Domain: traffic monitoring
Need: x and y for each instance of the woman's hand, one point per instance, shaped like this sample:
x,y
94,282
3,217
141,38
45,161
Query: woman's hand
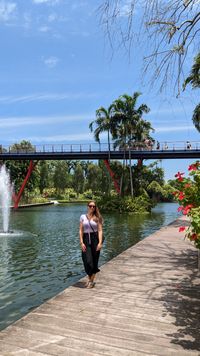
x,y
99,246
83,247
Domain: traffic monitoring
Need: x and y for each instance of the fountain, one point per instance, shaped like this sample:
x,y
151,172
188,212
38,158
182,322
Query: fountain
x,y
5,197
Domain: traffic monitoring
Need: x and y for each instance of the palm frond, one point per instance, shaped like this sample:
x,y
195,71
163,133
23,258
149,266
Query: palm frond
x,y
196,117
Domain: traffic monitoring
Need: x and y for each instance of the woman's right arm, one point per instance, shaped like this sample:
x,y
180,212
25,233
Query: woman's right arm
x,y
81,237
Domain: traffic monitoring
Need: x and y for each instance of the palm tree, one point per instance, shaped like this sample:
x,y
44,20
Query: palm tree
x,y
129,126
103,123
196,117
194,77
194,80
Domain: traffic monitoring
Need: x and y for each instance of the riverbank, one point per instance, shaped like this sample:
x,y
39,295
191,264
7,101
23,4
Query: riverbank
x,y
31,205
146,301
51,203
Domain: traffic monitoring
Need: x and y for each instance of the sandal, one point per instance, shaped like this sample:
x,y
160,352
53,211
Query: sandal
x,y
90,284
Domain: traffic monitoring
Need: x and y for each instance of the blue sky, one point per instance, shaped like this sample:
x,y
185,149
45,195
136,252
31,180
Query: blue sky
x,y
56,69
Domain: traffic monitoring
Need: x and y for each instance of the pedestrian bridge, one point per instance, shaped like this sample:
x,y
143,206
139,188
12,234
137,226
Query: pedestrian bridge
x,y
139,150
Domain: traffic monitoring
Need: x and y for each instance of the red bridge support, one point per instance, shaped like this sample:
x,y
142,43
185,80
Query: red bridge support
x,y
115,181
140,162
17,197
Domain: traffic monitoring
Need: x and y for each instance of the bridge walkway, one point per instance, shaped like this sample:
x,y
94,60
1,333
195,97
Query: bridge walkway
x,y
146,302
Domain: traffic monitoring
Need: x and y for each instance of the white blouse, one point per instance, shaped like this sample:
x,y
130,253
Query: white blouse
x,y
86,224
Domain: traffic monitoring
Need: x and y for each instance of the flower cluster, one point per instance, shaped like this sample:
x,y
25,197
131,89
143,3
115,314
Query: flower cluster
x,y
188,196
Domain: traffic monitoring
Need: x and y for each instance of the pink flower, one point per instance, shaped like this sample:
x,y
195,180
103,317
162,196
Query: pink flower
x,y
182,228
180,208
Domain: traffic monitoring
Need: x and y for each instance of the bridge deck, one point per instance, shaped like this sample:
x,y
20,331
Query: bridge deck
x,y
146,302
91,155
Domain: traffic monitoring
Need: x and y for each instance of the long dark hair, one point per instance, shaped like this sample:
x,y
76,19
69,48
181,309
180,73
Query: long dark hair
x,y
96,211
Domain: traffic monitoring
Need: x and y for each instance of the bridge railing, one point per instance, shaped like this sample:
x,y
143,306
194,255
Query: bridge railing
x,y
101,147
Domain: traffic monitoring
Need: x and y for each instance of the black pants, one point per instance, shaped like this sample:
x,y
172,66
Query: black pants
x,y
91,256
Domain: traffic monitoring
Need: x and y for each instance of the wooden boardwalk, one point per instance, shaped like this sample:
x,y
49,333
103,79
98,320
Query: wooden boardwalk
x,y
146,302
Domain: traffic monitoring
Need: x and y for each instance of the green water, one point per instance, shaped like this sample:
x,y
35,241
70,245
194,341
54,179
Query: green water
x,y
46,257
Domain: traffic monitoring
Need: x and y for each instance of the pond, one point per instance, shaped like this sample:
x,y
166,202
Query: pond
x,y
45,258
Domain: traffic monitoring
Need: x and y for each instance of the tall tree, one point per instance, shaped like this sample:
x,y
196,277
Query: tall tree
x,y
105,181
44,176
18,169
60,176
102,123
94,176
78,179
130,126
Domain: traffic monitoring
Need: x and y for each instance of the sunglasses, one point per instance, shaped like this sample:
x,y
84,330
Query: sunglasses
x,y
92,206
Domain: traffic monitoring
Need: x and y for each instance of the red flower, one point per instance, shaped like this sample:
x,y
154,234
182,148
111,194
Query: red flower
x,y
187,185
182,228
179,176
181,196
180,208
194,237
194,166
187,209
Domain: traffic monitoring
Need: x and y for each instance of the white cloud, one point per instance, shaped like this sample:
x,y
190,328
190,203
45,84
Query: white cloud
x,y
49,2
7,10
27,20
13,122
171,110
52,17
174,128
51,62
44,29
61,138
125,8
77,5
45,97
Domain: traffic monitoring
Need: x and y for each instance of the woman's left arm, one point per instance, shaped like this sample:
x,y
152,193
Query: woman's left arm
x,y
100,236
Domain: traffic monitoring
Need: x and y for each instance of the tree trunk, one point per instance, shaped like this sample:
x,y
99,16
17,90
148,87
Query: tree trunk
x,y
131,176
109,160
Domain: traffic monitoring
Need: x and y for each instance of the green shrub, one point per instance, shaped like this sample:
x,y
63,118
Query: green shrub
x,y
139,204
88,194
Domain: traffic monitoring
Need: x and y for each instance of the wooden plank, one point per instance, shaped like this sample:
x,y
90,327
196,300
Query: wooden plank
x,y
146,301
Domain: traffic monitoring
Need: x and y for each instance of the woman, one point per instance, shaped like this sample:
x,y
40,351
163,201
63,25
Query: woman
x,y
90,234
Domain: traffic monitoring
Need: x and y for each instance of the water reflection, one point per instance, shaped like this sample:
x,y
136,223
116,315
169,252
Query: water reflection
x,y
36,266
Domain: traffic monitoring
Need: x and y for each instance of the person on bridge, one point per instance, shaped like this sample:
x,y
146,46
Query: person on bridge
x,y
91,237
188,145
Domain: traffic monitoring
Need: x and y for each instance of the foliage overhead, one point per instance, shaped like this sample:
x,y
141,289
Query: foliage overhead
x,y
168,30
